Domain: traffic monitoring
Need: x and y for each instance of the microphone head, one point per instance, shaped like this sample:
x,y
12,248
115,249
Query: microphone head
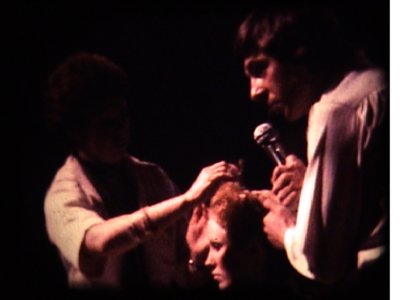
x,y
265,134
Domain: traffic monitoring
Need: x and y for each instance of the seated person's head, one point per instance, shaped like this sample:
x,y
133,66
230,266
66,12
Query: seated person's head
x,y
238,246
86,101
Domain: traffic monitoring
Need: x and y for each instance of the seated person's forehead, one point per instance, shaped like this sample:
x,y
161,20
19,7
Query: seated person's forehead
x,y
215,230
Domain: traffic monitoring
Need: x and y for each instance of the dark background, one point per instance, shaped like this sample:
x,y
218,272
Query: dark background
x,y
189,98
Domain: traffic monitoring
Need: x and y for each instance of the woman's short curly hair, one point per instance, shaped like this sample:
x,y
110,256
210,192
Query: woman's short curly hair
x,y
83,84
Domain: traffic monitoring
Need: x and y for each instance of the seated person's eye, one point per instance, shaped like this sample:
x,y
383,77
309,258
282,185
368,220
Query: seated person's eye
x,y
216,245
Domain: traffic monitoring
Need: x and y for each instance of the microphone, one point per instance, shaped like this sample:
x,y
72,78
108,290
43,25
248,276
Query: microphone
x,y
267,137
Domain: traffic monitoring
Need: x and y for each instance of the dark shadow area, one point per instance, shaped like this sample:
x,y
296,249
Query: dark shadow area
x,y
189,100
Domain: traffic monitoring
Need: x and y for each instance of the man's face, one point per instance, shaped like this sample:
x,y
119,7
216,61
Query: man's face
x,y
282,87
218,246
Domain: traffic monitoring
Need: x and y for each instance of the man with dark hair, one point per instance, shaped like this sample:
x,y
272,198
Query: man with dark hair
x,y
299,62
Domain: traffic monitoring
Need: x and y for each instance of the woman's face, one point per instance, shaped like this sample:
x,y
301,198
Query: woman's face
x,y
106,137
218,242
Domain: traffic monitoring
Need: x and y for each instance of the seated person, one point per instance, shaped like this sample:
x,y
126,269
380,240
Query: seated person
x,y
240,256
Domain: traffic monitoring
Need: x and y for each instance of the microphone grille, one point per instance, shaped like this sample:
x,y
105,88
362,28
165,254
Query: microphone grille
x,y
264,134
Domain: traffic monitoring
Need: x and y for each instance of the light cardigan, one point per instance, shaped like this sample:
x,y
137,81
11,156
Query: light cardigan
x,y
72,205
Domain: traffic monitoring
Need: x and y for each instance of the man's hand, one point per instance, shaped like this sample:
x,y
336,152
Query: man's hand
x,y
277,221
287,181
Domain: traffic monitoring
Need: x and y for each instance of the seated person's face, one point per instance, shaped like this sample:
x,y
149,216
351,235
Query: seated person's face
x,y
105,138
218,246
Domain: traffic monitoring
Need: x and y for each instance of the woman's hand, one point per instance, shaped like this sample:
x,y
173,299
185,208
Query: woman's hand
x,y
209,179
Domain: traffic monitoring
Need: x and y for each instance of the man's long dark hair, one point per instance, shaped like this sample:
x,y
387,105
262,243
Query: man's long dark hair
x,y
295,31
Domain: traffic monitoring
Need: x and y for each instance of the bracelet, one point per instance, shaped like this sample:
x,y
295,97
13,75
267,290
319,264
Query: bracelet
x,y
148,222
141,227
